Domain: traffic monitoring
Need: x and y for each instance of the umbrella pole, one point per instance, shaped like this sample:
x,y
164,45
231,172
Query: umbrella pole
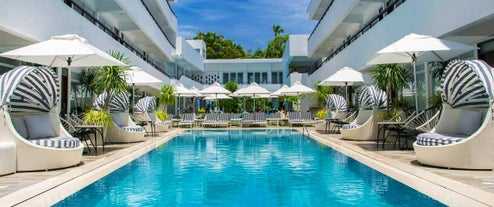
x,y
346,92
133,96
415,86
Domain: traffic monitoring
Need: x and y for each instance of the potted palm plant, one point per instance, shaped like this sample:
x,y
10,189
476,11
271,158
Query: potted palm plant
x,y
166,97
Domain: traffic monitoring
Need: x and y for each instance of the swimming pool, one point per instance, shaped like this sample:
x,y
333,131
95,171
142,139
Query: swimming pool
x,y
246,168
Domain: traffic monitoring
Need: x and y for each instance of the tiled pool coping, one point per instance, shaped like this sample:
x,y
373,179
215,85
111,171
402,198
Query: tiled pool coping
x,y
446,190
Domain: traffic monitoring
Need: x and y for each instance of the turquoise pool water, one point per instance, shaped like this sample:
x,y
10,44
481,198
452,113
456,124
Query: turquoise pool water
x,y
246,168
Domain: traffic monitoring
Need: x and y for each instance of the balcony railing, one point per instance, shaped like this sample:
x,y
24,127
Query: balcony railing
x,y
105,27
172,42
390,7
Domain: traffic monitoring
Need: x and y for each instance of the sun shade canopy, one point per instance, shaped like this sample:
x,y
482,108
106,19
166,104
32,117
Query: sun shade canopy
x,y
336,102
29,89
119,102
372,97
146,104
468,83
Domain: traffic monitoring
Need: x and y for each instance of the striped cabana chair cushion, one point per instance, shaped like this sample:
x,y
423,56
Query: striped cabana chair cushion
x,y
57,142
133,128
435,139
350,126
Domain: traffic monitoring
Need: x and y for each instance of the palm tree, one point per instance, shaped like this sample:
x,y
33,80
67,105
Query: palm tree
x,y
111,78
321,93
166,96
277,30
390,78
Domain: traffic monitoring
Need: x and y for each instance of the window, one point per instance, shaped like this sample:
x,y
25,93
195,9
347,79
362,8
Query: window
x,y
240,78
225,78
233,76
250,78
258,77
274,77
264,78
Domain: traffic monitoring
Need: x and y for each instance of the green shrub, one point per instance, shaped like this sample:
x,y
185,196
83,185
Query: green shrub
x,y
162,115
321,114
94,117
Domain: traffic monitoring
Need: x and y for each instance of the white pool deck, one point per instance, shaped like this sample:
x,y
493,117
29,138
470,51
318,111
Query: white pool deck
x,y
452,187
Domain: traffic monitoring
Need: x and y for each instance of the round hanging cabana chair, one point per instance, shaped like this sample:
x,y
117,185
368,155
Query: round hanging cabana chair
x,y
464,135
145,110
29,118
371,102
122,129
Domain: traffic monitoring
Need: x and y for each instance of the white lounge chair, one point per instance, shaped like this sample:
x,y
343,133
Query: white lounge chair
x,y
187,119
29,118
122,129
364,127
463,136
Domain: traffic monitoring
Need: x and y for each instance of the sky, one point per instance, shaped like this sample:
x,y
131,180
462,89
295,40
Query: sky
x,y
247,22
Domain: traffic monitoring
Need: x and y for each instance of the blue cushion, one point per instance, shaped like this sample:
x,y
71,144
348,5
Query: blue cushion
x,y
470,121
39,126
435,139
20,126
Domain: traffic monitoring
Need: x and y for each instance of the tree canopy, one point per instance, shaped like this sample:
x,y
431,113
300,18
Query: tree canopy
x,y
218,47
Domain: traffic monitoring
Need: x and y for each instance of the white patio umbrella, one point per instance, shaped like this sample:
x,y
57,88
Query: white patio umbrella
x,y
279,92
137,77
254,90
215,89
415,48
219,96
344,77
181,91
197,94
63,51
297,89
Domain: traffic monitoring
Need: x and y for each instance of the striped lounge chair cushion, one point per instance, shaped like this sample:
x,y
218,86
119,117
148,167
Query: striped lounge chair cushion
x,y
350,126
133,128
57,142
435,139
162,123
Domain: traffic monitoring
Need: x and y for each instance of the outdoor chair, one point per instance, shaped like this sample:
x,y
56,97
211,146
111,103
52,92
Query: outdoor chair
x,y
122,129
145,112
364,127
82,134
300,118
462,137
31,121
187,119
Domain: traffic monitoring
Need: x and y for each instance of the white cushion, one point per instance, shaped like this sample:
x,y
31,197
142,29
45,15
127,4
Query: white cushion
x,y
469,121
20,126
39,126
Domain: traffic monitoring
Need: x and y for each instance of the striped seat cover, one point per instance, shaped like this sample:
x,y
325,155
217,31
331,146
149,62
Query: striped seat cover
x,y
434,139
133,128
350,126
57,142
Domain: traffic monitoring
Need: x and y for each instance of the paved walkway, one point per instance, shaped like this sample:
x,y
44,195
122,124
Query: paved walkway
x,y
453,187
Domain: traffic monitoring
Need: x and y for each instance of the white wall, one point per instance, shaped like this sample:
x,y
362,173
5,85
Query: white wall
x,y
39,20
138,13
335,15
185,52
435,18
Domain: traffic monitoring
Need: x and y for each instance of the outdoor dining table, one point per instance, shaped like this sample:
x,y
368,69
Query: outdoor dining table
x,y
94,129
383,126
